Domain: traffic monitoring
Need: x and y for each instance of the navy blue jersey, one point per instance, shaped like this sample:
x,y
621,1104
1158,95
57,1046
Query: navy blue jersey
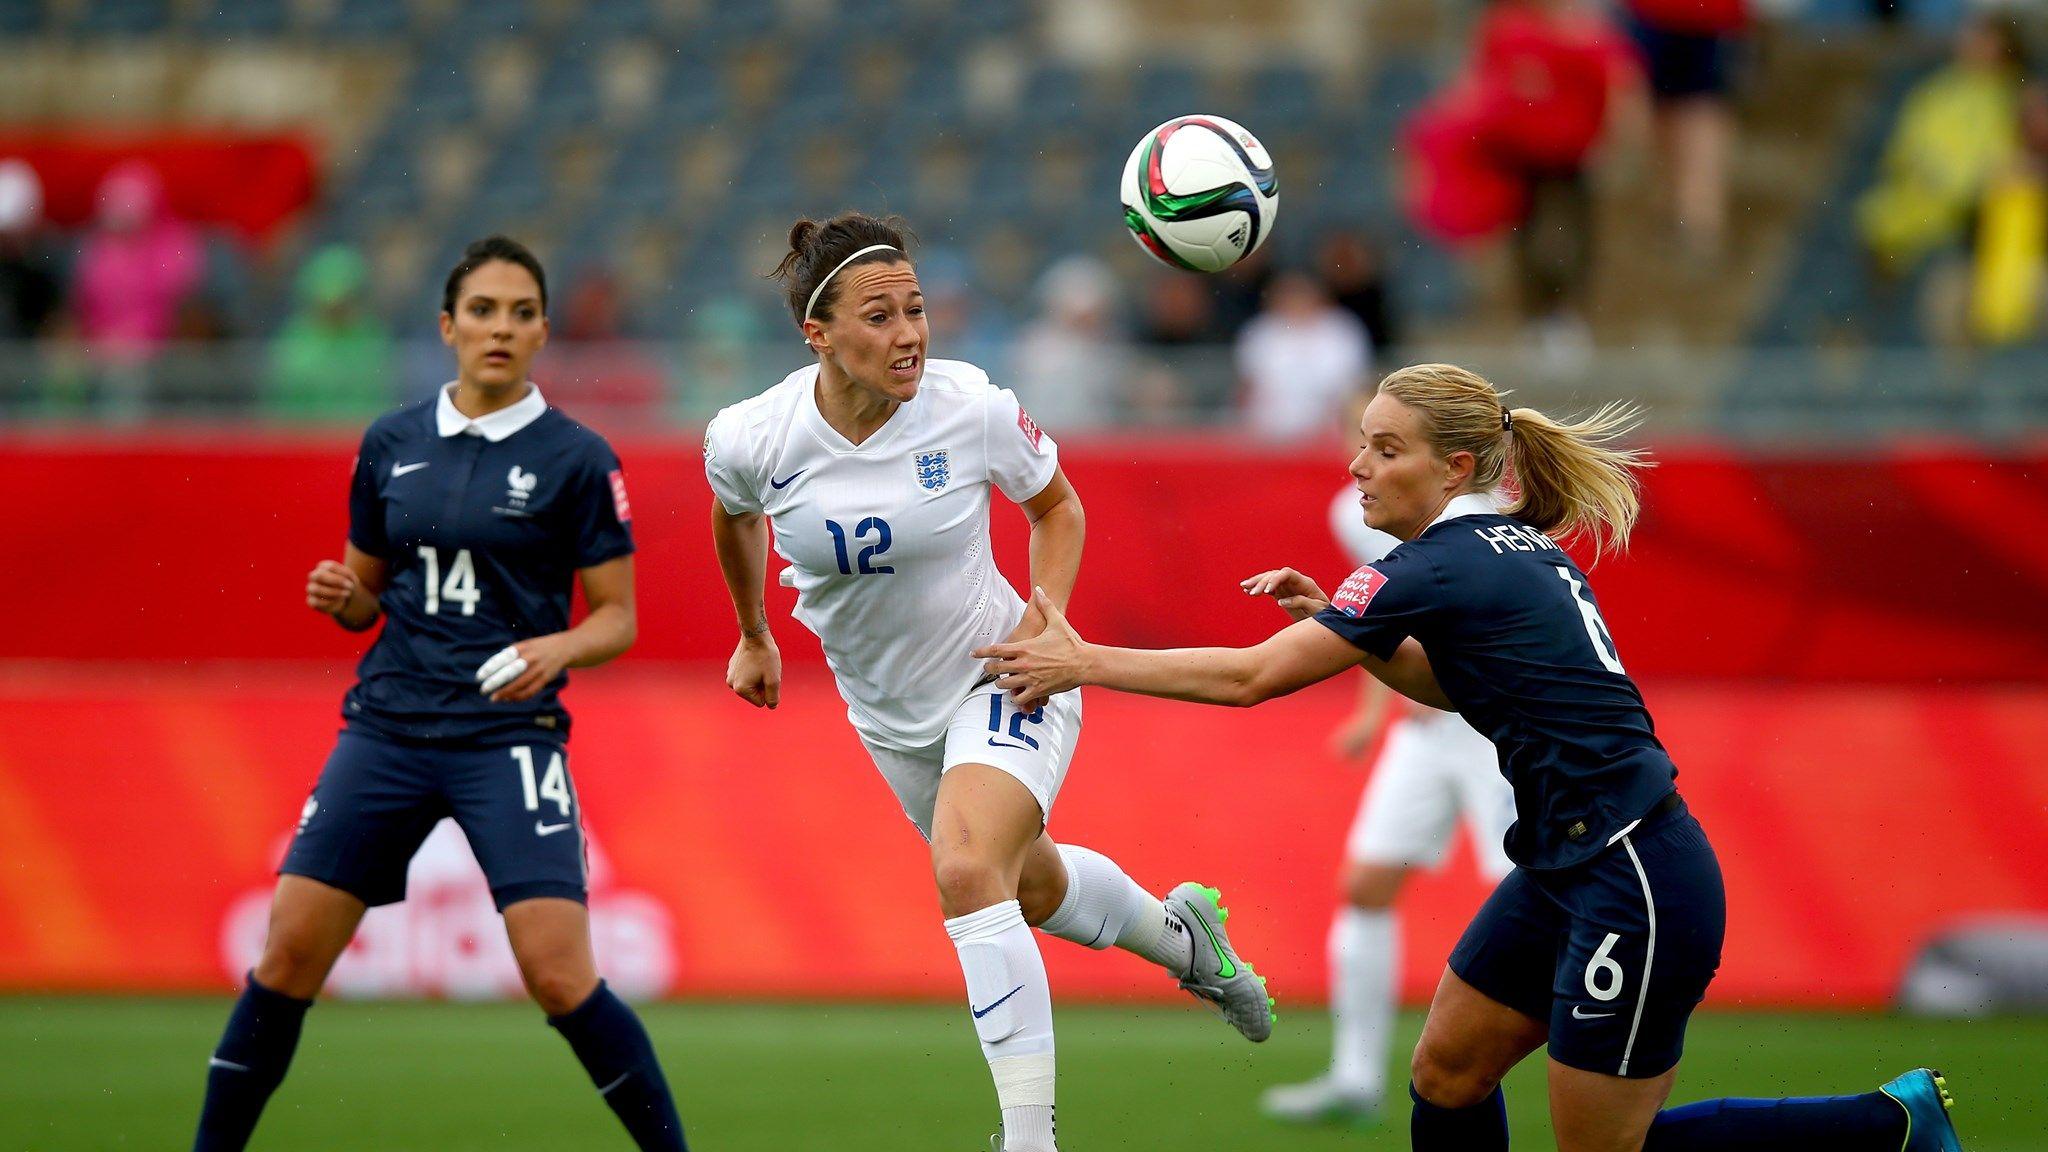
x,y
484,525
1516,639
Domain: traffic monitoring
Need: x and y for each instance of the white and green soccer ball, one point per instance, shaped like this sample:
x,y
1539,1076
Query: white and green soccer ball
x,y
1199,193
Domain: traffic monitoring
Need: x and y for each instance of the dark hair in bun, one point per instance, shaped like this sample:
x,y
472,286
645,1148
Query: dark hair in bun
x,y
817,247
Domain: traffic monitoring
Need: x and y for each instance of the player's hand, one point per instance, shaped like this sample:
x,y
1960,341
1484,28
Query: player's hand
x,y
756,671
1355,735
1297,595
1032,623
519,672
1038,669
330,586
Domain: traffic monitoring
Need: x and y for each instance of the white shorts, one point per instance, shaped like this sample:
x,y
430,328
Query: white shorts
x,y
1433,768
1034,746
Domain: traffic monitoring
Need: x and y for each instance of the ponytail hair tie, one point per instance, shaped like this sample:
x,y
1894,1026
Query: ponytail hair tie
x,y
1507,420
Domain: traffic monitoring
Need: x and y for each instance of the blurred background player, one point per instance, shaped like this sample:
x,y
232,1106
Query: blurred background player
x,y
875,467
1432,770
1603,939
471,515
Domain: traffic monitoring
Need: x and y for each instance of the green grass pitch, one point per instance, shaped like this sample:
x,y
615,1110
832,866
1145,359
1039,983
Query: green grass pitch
x,y
127,1073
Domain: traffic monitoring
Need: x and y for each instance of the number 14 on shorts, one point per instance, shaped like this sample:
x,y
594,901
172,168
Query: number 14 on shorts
x,y
553,784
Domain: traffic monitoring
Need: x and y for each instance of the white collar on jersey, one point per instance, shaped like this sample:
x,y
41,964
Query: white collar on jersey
x,y
1470,504
492,426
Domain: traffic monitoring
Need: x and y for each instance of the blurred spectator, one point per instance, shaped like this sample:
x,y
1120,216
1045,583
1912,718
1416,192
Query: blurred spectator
x,y
1299,359
136,268
1072,364
332,361
1352,270
1176,380
1509,144
2006,293
1958,130
592,366
29,289
965,325
1179,310
1688,48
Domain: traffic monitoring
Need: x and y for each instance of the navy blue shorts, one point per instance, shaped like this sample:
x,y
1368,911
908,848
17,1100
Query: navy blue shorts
x,y
1614,954
377,799
1682,65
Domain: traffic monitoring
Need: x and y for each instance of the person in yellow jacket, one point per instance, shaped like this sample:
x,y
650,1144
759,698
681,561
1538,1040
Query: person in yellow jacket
x,y
1958,132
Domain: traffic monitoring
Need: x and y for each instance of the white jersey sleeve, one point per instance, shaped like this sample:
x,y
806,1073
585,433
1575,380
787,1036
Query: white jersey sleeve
x,y
726,463
1021,457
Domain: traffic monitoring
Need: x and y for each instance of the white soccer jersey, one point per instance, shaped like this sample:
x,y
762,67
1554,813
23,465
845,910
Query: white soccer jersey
x,y
889,537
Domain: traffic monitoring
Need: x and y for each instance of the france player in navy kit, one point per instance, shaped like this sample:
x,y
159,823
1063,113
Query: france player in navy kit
x,y
1605,936
471,516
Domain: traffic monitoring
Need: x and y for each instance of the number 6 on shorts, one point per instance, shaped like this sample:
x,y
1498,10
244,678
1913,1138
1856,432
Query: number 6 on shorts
x,y
1604,976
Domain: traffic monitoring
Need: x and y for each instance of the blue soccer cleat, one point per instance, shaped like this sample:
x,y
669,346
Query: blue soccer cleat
x,y
1924,1095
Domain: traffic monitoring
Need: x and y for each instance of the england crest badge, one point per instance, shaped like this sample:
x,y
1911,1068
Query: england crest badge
x,y
934,470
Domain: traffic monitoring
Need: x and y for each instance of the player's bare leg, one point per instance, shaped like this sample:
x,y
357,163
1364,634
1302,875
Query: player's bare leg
x,y
1364,953
1098,905
550,937
1595,1112
1469,1043
310,926
983,826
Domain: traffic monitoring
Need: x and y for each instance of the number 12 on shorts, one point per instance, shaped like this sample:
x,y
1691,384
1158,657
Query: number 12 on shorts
x,y
553,784
1018,719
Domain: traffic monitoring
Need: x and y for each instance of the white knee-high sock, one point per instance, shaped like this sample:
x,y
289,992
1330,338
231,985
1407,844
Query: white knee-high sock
x,y
1104,907
1012,1007
1364,955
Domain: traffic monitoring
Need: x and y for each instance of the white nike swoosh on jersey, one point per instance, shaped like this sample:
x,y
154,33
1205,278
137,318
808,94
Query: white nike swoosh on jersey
x,y
1581,1014
402,469
217,1062
540,829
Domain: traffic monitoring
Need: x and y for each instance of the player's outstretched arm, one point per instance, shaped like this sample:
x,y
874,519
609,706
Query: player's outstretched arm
x,y
755,672
1058,660
1296,594
348,590
520,671
1288,661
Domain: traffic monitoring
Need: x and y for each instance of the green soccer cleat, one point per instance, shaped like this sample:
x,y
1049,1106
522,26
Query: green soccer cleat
x,y
1217,975
1924,1095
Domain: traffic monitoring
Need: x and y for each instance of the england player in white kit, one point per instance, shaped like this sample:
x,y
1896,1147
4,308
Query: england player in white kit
x,y
1432,769
875,467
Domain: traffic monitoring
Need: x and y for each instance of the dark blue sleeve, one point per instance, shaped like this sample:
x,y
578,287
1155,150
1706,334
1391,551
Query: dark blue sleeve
x,y
604,517
365,503
1384,602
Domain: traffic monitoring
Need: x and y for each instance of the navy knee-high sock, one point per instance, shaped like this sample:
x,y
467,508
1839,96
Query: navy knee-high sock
x,y
1481,1128
614,1048
255,1050
1872,1121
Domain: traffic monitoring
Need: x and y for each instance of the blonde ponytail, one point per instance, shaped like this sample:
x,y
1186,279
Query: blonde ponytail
x,y
1565,478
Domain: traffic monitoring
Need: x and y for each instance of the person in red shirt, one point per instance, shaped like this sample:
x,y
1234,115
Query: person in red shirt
x,y
1547,77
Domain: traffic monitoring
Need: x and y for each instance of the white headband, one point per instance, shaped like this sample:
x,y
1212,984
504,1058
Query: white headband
x,y
834,272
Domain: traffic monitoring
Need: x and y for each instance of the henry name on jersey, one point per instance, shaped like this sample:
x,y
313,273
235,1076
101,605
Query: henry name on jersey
x,y
888,538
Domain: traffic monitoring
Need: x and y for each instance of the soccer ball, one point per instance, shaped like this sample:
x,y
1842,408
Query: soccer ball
x,y
1199,193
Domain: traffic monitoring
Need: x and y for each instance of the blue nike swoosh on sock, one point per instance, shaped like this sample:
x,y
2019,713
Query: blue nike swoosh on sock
x,y
980,1012
1104,927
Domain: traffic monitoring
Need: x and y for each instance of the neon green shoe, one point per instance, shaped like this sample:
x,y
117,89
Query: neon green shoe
x,y
1217,975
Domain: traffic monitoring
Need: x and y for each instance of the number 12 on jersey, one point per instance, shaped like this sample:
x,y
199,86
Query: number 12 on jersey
x,y
874,524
